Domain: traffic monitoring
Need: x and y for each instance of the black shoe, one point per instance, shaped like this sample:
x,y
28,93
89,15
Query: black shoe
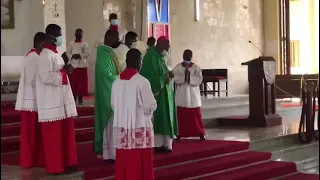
x,y
80,100
109,161
178,138
159,149
202,137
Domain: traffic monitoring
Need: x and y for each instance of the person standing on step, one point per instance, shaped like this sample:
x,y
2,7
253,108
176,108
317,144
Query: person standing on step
x,y
31,148
151,42
56,106
78,52
165,118
114,25
121,51
188,77
133,104
106,71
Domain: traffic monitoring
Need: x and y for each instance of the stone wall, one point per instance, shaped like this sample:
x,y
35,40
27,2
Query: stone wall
x,y
220,38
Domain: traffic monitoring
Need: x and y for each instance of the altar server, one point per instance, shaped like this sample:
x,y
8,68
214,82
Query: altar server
x,y
133,104
56,106
121,51
78,52
31,150
188,77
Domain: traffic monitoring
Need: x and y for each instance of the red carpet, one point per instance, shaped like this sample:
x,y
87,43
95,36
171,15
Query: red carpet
x,y
10,127
218,162
191,158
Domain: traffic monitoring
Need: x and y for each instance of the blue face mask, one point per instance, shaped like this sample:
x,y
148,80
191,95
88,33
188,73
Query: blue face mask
x,y
186,62
59,41
114,22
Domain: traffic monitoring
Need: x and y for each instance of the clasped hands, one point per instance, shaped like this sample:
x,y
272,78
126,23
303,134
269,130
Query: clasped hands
x,y
169,76
186,75
76,57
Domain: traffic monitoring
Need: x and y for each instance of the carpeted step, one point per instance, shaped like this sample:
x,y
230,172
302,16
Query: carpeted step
x,y
193,169
261,171
12,116
13,144
14,129
300,176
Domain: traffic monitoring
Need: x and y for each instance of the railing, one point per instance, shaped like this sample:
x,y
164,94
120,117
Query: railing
x,y
309,98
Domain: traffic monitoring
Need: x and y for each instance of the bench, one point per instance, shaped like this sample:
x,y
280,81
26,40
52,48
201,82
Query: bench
x,y
214,76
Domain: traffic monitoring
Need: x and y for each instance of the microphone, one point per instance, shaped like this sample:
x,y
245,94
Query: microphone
x,y
256,48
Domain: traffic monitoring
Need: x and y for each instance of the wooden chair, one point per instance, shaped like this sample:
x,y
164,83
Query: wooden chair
x,y
214,76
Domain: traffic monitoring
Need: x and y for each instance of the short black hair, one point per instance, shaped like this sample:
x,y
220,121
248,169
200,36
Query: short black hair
x,y
111,33
151,40
53,29
113,16
131,35
77,30
133,58
39,37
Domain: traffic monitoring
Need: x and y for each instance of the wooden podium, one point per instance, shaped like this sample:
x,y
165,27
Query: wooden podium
x,y
262,104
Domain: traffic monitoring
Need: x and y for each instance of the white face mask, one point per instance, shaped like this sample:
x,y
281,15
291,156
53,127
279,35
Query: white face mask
x,y
134,45
165,52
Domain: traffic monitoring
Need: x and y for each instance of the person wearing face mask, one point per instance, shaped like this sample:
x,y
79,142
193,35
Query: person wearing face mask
x,y
106,71
114,25
133,104
31,153
165,118
188,77
78,53
56,106
131,41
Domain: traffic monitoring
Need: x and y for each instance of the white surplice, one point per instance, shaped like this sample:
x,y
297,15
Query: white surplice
x,y
55,101
27,97
121,52
81,48
133,104
187,95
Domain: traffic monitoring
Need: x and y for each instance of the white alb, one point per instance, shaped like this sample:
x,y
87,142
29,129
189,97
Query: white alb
x,y
55,101
121,52
81,48
187,95
27,97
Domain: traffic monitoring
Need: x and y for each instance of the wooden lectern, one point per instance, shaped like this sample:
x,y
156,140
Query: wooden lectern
x,y
262,103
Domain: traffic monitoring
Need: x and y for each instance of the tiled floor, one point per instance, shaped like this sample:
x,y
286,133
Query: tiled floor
x,y
290,126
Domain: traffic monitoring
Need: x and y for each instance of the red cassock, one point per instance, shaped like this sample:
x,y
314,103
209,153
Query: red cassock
x,y
190,122
59,145
31,146
131,162
79,81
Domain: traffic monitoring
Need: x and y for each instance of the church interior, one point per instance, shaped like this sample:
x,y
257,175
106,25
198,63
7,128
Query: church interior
x,y
260,89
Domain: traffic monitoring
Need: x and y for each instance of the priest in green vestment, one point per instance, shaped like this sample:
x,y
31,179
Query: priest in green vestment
x,y
165,118
106,71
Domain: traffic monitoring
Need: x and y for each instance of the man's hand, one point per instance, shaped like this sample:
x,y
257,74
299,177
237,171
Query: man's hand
x,y
168,78
68,68
76,56
186,75
171,75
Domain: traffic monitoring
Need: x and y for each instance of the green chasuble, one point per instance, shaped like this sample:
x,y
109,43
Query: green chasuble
x,y
106,71
155,70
